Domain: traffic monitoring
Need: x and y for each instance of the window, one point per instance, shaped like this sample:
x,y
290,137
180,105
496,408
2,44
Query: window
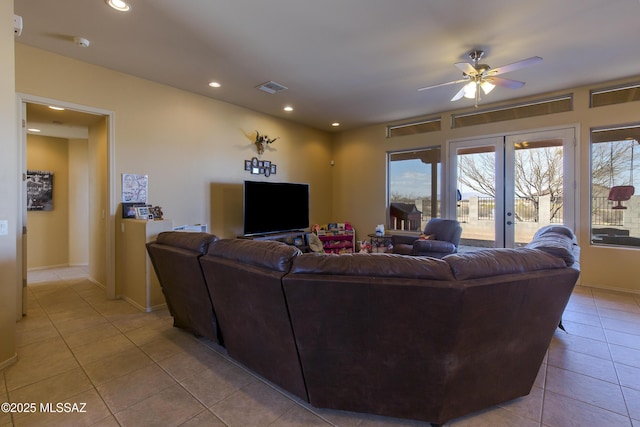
x,y
616,95
520,111
432,125
414,188
615,203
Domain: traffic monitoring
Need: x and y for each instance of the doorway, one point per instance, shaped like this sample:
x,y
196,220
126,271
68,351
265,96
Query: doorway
x,y
509,186
69,124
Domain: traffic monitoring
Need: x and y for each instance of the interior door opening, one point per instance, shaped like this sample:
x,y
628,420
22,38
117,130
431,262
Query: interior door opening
x,y
80,137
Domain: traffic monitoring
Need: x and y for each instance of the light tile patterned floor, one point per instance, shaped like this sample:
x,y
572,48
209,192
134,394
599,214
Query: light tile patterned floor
x,y
135,369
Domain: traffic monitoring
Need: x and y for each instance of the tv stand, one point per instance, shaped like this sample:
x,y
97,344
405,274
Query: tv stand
x,y
288,237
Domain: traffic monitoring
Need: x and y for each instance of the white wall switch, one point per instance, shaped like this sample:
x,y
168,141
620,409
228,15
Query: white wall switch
x,y
4,227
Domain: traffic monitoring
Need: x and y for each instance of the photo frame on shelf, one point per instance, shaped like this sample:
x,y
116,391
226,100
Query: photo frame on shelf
x,y
157,213
129,209
142,212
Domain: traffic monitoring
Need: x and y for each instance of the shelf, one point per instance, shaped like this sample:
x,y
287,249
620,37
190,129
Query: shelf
x,y
338,241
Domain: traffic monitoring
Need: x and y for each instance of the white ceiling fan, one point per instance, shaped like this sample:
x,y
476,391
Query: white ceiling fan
x,y
481,76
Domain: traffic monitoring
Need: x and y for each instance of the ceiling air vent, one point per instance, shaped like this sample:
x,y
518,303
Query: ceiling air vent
x,y
271,87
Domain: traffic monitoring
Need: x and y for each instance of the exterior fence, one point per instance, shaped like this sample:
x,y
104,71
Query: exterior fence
x,y
478,214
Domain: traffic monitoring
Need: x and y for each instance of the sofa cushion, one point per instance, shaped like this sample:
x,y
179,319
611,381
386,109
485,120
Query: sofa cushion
x,y
555,228
374,265
267,254
197,242
494,262
558,240
426,246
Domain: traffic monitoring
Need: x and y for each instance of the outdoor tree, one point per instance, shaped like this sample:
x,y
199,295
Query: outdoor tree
x,y
538,171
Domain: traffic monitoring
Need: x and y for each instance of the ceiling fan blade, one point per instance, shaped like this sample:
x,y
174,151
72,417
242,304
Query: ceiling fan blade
x,y
441,84
515,66
458,95
508,83
466,68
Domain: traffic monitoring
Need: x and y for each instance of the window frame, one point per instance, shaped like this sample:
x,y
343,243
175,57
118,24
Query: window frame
x,y
438,186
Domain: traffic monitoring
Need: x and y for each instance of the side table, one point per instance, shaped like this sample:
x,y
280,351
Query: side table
x,y
378,241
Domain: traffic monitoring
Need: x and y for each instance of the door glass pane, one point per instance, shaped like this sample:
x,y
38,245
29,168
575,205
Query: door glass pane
x,y
414,184
476,187
615,176
538,186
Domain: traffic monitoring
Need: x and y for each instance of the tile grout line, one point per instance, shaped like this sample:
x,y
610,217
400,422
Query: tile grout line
x,y
615,365
121,332
70,286
155,362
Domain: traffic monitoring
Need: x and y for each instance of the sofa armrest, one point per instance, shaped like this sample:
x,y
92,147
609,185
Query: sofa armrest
x,y
403,239
424,247
557,244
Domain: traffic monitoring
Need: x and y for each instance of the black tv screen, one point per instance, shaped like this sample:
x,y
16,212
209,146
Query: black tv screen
x,y
271,207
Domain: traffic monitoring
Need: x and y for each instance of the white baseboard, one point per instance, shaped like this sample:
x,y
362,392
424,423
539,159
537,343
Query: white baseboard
x,y
611,288
141,308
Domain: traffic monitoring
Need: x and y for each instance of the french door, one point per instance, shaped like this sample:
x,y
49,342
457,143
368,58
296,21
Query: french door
x,y
509,186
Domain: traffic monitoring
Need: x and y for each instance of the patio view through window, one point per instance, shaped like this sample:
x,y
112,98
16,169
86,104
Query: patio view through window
x,y
615,175
414,188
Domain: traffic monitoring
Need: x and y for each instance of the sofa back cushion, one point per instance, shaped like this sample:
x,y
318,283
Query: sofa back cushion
x,y
557,240
175,256
196,242
373,265
244,278
270,254
495,262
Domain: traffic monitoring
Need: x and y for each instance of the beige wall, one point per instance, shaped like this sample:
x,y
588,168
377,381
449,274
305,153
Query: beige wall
x,y
359,189
192,147
78,202
48,231
60,237
8,188
193,150
99,211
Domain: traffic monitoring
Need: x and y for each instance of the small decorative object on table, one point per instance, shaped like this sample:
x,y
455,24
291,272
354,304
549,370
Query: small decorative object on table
x,y
156,211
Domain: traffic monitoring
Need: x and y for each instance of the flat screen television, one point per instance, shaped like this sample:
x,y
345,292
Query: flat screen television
x,y
272,207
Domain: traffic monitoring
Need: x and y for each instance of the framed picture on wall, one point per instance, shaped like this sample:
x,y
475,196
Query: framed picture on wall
x,y
39,190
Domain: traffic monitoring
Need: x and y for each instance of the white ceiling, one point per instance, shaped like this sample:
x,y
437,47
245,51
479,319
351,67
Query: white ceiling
x,y
357,62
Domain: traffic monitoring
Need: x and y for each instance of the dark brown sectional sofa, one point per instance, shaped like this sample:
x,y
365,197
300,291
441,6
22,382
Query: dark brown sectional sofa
x,y
412,337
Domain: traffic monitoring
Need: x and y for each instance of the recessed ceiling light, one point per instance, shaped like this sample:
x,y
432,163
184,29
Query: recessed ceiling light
x,y
214,84
335,124
120,5
53,107
288,108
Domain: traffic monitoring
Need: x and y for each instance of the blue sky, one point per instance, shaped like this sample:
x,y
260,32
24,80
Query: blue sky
x,y
409,177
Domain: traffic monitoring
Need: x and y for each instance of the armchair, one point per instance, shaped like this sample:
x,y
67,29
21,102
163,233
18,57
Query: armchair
x,y
446,238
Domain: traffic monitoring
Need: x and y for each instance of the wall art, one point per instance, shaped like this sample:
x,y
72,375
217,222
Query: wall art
x,y
39,191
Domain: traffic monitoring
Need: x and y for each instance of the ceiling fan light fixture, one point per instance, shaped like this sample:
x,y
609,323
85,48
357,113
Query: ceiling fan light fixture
x,y
470,90
487,87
